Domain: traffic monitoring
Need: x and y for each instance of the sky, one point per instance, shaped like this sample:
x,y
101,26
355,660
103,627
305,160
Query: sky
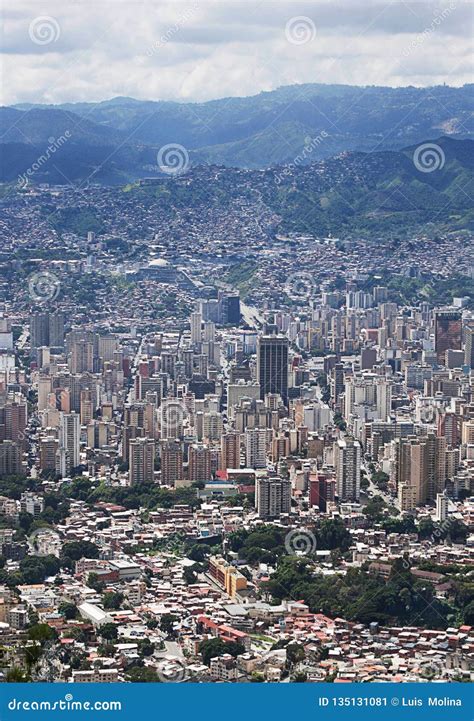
x,y
56,51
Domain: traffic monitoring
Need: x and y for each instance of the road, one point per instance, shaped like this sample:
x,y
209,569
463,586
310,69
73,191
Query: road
x,y
251,316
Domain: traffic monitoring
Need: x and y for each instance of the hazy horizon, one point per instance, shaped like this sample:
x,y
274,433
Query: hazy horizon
x,y
235,97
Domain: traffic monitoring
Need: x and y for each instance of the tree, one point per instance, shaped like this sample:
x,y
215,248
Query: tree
x,y
213,647
189,575
331,534
199,551
469,614
80,549
108,631
112,600
167,622
144,674
294,653
42,633
35,569
93,582
106,649
145,647
68,610
16,675
374,509
33,652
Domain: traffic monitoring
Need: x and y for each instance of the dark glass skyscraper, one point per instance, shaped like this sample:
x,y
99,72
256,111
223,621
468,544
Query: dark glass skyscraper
x,y
448,332
272,365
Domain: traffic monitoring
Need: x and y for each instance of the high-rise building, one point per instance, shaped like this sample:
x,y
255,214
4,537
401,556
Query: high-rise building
x,y
347,461
442,506
142,461
337,383
199,468
81,359
49,447
448,332
56,330
436,449
256,448
10,459
272,365
469,347
46,329
196,323
229,308
230,451
171,453
272,497
69,437
410,471
322,491
39,330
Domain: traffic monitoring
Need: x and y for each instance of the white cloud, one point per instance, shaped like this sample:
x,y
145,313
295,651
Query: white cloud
x,y
197,50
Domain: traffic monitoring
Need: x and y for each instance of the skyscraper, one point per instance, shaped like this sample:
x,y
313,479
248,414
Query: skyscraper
x,y
47,329
447,332
469,347
196,322
272,497
171,461
272,365
199,463
347,461
256,448
230,451
142,461
69,438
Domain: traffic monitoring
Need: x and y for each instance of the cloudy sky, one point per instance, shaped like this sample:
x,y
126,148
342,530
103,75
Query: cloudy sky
x,y
68,50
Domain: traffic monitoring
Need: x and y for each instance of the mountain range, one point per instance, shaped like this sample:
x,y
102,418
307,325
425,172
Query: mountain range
x,y
115,141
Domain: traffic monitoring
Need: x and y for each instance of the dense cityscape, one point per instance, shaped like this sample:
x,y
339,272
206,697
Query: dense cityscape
x,y
228,452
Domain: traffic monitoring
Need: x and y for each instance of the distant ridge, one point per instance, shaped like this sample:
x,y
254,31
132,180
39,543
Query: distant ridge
x,y
251,132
